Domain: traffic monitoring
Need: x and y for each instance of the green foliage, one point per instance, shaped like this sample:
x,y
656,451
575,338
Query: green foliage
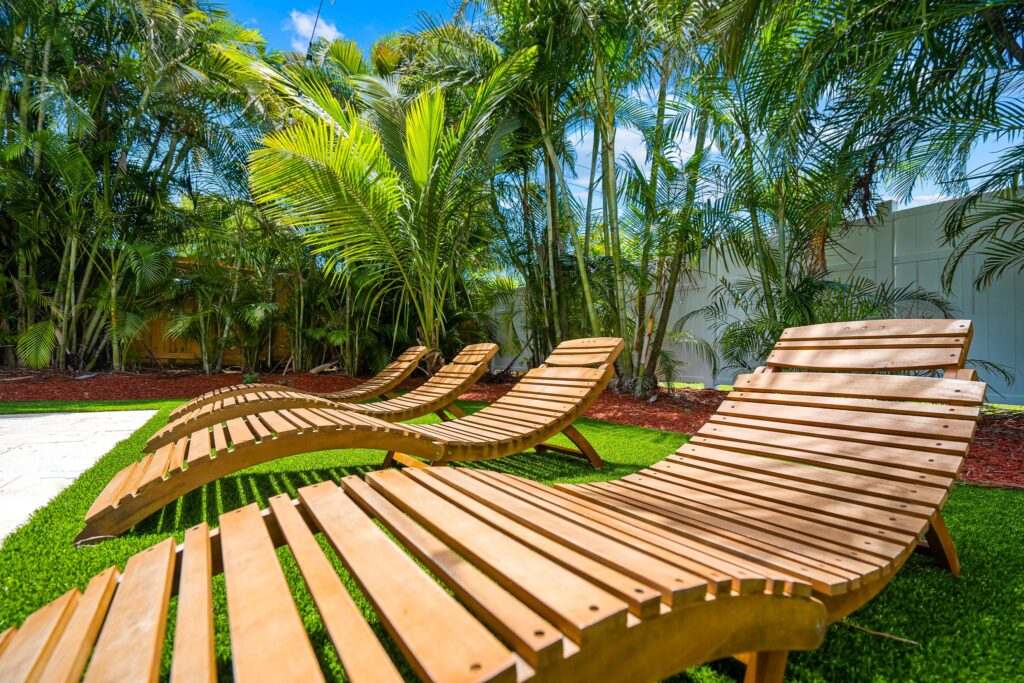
x,y
36,344
100,166
389,189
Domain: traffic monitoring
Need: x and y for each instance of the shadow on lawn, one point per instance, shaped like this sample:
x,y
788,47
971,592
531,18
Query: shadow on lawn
x,y
208,502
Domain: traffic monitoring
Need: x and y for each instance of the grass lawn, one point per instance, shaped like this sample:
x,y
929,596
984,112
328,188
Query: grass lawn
x,y
967,628
24,407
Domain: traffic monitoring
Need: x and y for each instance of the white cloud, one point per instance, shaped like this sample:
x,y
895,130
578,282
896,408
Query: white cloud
x,y
301,26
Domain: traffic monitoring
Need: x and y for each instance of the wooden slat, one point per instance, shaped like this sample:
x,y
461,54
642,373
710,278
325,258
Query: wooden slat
x,y
884,387
845,495
895,343
177,460
921,327
72,651
28,649
220,439
892,456
534,389
576,359
193,658
156,467
109,495
866,359
746,576
361,654
241,436
199,446
859,404
268,639
5,638
856,555
568,373
439,638
130,644
883,423
277,423
258,428
131,483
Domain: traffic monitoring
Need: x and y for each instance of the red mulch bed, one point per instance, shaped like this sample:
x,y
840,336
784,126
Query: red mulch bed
x,y
996,457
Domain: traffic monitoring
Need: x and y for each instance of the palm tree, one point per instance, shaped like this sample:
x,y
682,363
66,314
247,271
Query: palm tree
x,y
910,89
396,187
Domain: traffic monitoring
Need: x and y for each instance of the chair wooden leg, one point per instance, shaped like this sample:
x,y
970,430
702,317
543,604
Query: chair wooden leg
x,y
940,544
586,449
389,459
453,409
766,667
583,448
409,461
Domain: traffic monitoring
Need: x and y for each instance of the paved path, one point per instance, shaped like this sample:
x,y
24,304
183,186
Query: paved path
x,y
41,454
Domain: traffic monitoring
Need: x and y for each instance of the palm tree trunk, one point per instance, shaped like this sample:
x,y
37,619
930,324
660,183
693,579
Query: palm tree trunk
x,y
115,343
553,239
235,284
606,114
675,266
594,152
37,157
581,265
536,266
650,209
611,218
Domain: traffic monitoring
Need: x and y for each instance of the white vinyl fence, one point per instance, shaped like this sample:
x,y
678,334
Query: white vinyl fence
x,y
902,247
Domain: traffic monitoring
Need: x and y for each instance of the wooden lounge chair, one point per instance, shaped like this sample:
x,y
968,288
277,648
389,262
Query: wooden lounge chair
x,y
436,395
381,384
544,403
794,506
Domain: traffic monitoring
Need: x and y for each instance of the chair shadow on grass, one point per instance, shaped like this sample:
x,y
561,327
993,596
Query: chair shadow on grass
x,y
208,502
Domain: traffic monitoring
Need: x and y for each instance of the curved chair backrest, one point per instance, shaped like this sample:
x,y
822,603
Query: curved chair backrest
x,y
874,345
471,362
393,374
438,392
543,403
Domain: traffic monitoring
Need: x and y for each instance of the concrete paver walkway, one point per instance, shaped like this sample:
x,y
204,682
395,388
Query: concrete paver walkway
x,y
41,454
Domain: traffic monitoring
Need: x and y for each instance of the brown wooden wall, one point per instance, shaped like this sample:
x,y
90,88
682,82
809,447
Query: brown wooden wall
x,y
186,352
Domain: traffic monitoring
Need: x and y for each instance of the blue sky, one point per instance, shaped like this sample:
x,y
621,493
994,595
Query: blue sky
x,y
287,24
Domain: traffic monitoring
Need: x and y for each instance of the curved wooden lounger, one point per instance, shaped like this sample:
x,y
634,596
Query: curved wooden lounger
x,y
385,381
435,395
544,403
791,508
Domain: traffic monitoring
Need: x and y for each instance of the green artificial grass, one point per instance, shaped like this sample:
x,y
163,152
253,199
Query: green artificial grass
x,y
22,407
966,628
